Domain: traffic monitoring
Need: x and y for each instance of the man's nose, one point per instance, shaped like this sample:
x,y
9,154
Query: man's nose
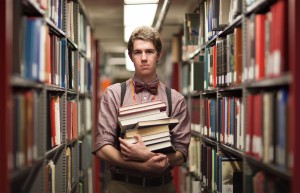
x,y
144,55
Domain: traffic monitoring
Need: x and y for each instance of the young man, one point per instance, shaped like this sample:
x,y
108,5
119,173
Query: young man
x,y
133,167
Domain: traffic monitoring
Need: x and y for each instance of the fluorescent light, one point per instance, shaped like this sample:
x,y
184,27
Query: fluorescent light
x,y
140,1
138,14
129,63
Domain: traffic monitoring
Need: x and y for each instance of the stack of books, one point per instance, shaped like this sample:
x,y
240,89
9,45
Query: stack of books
x,y
150,120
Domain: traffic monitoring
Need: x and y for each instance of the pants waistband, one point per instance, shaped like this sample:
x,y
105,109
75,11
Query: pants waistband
x,y
150,182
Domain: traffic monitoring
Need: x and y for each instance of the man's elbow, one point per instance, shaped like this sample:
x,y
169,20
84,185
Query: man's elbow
x,y
106,152
101,152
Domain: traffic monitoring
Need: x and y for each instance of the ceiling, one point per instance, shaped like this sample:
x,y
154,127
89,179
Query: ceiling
x,y
107,19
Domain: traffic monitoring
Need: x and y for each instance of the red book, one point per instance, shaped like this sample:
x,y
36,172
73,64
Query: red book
x,y
69,120
260,46
278,37
74,121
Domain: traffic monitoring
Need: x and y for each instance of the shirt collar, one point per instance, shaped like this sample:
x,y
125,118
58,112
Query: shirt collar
x,y
136,79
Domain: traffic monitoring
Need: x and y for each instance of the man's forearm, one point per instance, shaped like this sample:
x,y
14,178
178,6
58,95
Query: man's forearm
x,y
114,157
156,164
176,159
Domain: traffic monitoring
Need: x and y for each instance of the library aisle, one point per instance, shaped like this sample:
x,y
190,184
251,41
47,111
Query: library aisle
x,y
235,61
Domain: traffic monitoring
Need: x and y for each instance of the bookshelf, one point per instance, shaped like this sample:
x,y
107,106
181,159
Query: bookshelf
x,y
6,39
49,92
250,91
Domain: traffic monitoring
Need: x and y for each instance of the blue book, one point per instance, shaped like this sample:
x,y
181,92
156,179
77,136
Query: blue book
x,y
28,47
282,100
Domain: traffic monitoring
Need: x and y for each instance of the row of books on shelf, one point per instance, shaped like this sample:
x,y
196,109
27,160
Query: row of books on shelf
x,y
82,150
218,66
44,55
54,10
216,174
230,121
224,126
212,16
266,53
48,58
223,63
74,112
28,124
266,36
215,170
266,127
151,122
45,174
26,127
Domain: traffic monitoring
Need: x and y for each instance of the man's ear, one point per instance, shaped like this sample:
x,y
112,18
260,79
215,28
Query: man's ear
x,y
159,55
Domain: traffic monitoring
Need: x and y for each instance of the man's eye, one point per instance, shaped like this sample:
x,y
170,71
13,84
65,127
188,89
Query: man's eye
x,y
149,51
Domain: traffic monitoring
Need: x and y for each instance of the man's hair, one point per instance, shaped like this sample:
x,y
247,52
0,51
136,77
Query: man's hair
x,y
145,33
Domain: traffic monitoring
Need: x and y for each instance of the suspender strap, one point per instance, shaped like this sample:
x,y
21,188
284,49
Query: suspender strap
x,y
123,90
168,92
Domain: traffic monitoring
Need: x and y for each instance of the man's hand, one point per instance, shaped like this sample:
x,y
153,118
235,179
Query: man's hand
x,y
157,164
135,152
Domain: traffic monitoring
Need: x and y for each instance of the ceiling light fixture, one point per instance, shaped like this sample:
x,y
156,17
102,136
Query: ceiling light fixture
x,y
140,1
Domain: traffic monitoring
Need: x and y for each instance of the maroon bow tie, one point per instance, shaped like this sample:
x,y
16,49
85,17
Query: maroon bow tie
x,y
151,87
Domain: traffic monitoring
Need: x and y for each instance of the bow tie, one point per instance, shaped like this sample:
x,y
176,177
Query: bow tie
x,y
151,87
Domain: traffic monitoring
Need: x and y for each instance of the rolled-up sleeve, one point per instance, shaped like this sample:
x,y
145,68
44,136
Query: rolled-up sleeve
x,y
181,134
106,132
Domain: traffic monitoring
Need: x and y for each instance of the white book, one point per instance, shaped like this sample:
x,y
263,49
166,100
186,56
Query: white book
x,y
129,123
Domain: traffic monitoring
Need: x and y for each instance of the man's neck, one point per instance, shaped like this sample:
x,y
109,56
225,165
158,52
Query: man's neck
x,y
147,79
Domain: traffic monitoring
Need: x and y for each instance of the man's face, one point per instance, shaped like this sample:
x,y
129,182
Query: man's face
x,y
145,57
